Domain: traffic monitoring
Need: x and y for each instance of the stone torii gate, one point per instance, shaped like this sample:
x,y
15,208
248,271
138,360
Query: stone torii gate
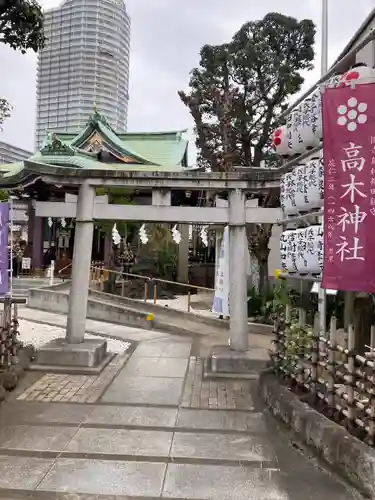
x,y
236,216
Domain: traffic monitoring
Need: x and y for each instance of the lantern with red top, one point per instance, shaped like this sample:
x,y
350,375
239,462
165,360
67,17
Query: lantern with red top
x,y
279,141
359,73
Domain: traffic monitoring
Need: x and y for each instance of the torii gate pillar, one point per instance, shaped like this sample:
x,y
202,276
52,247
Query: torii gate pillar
x,y
237,271
79,291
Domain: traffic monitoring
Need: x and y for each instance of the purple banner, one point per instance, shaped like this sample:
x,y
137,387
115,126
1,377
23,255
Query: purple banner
x,y
349,188
4,255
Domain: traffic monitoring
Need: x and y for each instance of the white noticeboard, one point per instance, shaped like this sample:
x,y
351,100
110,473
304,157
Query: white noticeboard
x,y
26,263
220,303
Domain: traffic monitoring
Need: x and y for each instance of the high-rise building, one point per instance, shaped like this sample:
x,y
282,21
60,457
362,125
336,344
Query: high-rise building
x,y
85,60
12,154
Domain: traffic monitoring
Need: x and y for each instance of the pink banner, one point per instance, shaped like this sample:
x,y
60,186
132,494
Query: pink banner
x,y
349,188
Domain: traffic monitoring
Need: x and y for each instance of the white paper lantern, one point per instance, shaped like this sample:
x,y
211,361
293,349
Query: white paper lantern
x,y
294,129
288,194
301,194
283,251
309,139
301,251
321,177
314,174
312,254
288,251
291,251
280,141
316,114
334,81
358,74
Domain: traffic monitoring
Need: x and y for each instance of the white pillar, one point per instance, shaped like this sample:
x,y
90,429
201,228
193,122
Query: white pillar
x,y
183,255
161,197
237,271
79,291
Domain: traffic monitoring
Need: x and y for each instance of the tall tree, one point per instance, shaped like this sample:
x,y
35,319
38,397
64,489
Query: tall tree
x,y
236,96
21,27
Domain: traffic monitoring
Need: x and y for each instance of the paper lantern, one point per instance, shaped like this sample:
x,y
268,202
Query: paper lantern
x,y
315,180
301,194
294,131
312,255
357,73
280,141
288,194
309,139
288,251
301,251
334,81
316,115
283,251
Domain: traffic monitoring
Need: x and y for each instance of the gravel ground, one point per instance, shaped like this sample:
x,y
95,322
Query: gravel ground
x,y
38,334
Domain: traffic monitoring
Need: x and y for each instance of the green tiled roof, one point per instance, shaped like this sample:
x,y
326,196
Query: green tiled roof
x,y
159,148
154,152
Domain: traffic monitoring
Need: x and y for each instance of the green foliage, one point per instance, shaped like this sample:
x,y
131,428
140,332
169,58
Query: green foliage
x,y
236,96
5,111
118,196
273,302
298,344
163,249
4,195
240,88
254,303
21,27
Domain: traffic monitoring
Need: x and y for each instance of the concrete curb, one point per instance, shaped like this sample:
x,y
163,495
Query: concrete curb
x,y
348,456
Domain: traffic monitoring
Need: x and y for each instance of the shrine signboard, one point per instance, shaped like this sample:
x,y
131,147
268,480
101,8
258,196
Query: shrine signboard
x,y
349,188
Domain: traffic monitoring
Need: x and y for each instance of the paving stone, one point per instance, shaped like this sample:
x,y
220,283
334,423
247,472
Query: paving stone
x,y
121,442
221,420
163,349
156,367
213,394
133,415
144,390
99,477
205,482
229,447
37,438
22,472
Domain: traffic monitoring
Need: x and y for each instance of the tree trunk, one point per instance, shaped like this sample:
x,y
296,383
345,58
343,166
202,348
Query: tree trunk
x,y
263,277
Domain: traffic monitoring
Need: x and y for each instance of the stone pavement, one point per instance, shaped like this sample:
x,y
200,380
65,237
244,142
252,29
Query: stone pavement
x,y
158,430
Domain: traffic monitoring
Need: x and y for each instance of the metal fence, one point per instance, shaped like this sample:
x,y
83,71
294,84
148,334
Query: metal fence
x,y
329,370
99,275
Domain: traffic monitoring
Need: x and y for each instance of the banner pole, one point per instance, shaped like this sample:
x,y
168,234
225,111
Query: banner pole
x,y
322,296
11,247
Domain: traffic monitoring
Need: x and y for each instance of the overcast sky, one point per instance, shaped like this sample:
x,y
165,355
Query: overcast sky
x,y
165,42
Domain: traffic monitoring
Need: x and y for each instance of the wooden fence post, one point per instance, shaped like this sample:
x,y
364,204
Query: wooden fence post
x,y
351,376
331,362
315,355
301,350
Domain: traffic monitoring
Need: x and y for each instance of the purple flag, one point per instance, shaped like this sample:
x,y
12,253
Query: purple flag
x,y
4,257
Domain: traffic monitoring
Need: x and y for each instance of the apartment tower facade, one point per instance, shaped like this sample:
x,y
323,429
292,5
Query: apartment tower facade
x,y
85,61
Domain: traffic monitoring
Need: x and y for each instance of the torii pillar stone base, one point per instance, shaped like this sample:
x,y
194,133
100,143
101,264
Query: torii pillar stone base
x,y
74,353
